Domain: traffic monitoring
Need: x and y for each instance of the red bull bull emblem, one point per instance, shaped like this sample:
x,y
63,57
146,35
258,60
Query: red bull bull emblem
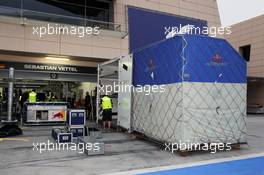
x,y
59,115
151,64
217,58
151,68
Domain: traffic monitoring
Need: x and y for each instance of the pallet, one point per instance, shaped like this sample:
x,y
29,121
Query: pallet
x,y
236,145
183,153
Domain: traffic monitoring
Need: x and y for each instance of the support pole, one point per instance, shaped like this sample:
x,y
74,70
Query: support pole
x,y
10,94
10,128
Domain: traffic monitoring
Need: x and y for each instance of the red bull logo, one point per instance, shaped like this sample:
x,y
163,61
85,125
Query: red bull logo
x,y
59,115
151,68
151,64
217,58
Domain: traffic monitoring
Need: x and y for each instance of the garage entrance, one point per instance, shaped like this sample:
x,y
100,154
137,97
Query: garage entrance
x,y
255,95
72,86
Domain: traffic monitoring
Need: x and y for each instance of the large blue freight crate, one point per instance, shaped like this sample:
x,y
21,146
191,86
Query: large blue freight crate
x,y
200,88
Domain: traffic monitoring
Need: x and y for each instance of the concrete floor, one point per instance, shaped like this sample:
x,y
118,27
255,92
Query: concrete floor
x,y
122,153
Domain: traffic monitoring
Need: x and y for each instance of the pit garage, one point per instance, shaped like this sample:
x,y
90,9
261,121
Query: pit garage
x,y
64,86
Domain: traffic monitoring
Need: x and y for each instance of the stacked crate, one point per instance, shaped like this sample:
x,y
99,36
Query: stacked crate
x,y
76,122
61,135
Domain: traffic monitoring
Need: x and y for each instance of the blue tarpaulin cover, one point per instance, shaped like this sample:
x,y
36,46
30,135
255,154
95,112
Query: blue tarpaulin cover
x,y
188,58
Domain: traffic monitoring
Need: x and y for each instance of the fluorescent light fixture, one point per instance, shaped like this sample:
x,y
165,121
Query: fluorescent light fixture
x,y
57,58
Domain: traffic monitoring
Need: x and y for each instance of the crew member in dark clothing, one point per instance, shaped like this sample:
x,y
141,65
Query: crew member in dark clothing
x,y
87,103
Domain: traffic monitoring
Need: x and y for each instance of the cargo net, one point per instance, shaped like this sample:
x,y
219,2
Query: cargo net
x,y
192,112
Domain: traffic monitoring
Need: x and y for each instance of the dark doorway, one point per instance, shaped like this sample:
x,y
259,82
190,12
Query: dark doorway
x,y
245,52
